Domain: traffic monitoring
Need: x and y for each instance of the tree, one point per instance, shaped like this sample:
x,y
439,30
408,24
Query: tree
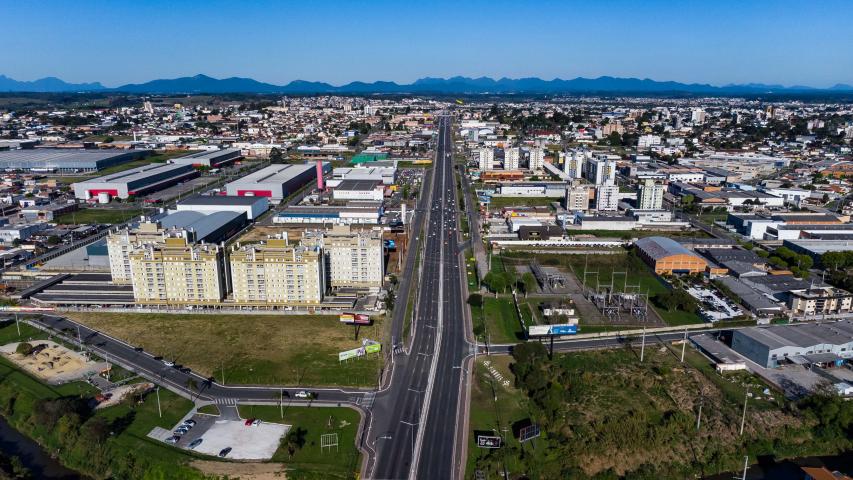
x,y
275,155
53,240
528,281
510,278
475,300
24,348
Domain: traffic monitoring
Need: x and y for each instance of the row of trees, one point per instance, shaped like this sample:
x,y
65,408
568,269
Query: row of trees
x,y
799,264
500,282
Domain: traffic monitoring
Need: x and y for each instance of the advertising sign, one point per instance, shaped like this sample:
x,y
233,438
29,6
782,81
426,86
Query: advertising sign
x,y
373,348
564,329
539,330
486,441
349,354
354,318
528,433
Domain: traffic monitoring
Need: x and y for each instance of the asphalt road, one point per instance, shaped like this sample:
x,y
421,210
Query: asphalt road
x,y
415,419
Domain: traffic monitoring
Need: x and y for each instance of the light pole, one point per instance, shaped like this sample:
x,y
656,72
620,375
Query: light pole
x,y
643,345
683,344
159,411
743,418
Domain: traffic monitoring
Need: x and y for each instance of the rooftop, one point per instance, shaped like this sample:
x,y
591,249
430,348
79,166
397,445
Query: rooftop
x,y
221,200
802,335
662,247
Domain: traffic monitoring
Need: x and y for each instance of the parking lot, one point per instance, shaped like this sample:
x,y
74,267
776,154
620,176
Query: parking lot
x,y
247,442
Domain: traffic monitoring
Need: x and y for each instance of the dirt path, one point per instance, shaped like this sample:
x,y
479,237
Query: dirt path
x,y
242,471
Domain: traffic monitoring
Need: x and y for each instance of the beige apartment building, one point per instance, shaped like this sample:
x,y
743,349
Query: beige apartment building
x,y
277,273
354,258
177,273
120,244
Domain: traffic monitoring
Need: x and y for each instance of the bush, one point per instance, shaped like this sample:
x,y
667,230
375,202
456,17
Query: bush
x,y
24,348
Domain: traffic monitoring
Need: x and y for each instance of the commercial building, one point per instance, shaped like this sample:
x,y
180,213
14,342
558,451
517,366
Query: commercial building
x,y
363,213
666,256
601,222
176,272
577,198
20,231
364,190
824,343
816,248
277,273
354,259
253,207
136,181
47,213
65,160
210,159
651,195
820,301
533,189
275,181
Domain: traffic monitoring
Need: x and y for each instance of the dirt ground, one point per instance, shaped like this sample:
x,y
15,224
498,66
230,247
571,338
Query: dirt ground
x,y
120,393
242,471
54,364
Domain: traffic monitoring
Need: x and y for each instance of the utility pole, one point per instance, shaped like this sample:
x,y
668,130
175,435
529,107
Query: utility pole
x,y
643,345
699,418
743,418
745,465
683,344
159,411
222,366
18,325
281,403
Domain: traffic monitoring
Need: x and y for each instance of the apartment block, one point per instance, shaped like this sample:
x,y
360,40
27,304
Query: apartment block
x,y
536,158
122,243
176,272
651,195
354,259
277,273
486,158
512,158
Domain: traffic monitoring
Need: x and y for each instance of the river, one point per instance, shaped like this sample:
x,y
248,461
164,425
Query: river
x,y
42,466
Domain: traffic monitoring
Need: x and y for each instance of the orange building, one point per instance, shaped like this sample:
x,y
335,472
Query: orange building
x,y
666,256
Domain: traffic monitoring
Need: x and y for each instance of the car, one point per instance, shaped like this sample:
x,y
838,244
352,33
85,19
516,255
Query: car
x,y
158,358
256,422
173,439
138,349
181,431
194,443
249,421
168,363
190,422
224,452
303,394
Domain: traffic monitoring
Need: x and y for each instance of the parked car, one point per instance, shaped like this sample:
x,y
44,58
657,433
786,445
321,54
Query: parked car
x,y
249,421
173,439
194,443
224,452
256,422
190,422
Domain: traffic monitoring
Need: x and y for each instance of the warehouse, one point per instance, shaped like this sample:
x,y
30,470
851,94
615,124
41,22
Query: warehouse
x,y
385,174
65,160
539,189
253,207
816,248
135,181
364,190
804,344
365,214
275,181
205,227
210,159
666,256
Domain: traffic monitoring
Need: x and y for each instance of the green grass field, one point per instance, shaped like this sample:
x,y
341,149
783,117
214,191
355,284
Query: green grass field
x,y
501,319
308,462
252,349
502,202
98,215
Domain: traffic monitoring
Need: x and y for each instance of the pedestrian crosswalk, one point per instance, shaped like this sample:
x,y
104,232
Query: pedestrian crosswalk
x,y
226,401
365,401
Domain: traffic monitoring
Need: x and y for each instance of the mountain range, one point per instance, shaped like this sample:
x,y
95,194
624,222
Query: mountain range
x,y
453,85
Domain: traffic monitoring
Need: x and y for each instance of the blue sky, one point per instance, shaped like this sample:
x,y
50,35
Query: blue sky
x,y
717,42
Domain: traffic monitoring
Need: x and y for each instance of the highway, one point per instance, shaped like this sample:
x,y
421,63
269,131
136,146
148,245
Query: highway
x,y
415,424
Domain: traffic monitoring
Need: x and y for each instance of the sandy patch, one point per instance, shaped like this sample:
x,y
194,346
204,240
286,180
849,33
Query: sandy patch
x,y
53,363
122,392
242,471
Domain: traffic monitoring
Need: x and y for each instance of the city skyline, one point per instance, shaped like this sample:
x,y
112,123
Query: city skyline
x,y
335,42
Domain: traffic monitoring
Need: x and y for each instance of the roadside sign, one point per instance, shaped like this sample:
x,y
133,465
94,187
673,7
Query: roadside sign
x,y
564,329
539,330
349,354
487,441
374,348
528,433
354,318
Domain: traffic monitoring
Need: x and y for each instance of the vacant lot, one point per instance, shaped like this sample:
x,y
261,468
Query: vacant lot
x,y
308,424
250,349
98,215
605,413
500,319
501,202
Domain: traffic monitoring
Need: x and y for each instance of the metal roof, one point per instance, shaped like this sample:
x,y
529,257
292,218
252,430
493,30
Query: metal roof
x,y
223,200
662,247
357,185
277,174
61,157
803,335
139,173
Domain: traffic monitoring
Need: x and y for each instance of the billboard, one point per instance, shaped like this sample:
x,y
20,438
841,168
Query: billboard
x,y
354,318
487,441
564,329
528,433
367,346
356,352
373,348
561,329
539,330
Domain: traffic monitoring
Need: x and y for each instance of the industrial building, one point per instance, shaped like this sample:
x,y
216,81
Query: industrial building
x,y
276,273
276,181
666,256
816,248
65,160
20,231
253,207
176,272
804,344
363,213
210,159
135,181
364,190
385,174
537,189
354,259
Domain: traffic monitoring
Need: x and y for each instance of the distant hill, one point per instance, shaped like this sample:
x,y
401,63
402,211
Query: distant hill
x,y
47,84
453,86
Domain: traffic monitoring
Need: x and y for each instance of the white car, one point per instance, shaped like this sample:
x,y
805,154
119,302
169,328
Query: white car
x,y
168,363
302,394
